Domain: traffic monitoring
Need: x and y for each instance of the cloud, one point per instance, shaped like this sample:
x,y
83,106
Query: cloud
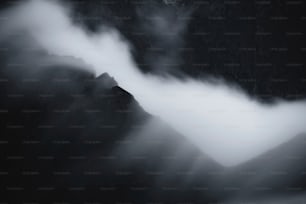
x,y
165,27
220,119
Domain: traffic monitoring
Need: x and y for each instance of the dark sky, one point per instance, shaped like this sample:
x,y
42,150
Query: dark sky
x,y
258,44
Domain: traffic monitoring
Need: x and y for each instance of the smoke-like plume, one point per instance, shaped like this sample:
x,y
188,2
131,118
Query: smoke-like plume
x,y
165,24
222,120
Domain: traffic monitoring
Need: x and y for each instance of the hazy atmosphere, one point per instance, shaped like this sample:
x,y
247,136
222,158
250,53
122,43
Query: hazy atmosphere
x,y
217,116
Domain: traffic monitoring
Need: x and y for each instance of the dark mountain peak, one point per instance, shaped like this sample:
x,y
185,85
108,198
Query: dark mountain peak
x,y
123,100
105,81
117,90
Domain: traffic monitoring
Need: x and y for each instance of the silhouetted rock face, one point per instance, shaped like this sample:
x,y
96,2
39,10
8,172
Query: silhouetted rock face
x,y
104,81
58,129
68,136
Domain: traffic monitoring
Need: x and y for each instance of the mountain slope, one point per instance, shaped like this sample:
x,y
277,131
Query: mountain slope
x,y
67,136
280,171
